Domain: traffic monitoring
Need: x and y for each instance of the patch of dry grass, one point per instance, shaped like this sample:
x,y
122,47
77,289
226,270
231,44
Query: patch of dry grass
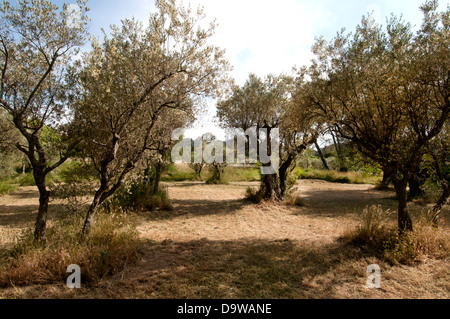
x,y
380,236
280,269
111,245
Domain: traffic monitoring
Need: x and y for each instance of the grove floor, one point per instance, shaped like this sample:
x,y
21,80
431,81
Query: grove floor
x,y
215,244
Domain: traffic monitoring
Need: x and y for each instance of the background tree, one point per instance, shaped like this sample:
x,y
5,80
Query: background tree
x,y
158,155
387,91
130,79
198,167
438,164
36,44
268,104
321,156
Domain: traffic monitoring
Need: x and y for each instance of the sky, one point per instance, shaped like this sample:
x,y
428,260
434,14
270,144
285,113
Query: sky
x,y
263,36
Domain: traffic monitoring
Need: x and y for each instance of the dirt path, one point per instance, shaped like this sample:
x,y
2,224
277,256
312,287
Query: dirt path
x,y
218,212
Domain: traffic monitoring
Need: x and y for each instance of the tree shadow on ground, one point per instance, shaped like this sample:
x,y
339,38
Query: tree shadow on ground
x,y
333,203
27,193
24,215
240,269
197,208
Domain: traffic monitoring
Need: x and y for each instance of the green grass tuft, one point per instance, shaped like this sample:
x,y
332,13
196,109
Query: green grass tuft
x,y
6,187
337,177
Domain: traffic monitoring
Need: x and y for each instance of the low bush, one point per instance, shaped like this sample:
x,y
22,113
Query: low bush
x,y
243,174
218,174
26,179
139,195
376,234
6,187
373,232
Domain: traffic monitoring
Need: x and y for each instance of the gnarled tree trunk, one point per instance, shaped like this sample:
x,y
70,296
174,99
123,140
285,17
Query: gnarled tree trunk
x,y
283,174
270,188
416,182
158,171
404,218
44,196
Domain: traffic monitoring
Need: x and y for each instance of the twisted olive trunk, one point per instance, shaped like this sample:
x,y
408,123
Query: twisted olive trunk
x,y
158,171
404,218
416,182
270,187
283,174
44,197
96,202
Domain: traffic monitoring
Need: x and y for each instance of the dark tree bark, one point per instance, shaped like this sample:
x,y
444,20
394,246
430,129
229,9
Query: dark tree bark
x,y
404,218
105,190
283,174
416,181
386,180
158,171
445,192
415,187
337,145
91,211
270,188
199,171
324,161
44,196
270,184
41,168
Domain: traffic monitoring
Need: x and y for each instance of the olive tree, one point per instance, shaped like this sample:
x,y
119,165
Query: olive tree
x,y
37,40
387,90
273,103
129,80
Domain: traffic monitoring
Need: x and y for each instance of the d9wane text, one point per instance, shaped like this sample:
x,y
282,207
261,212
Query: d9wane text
x,y
226,309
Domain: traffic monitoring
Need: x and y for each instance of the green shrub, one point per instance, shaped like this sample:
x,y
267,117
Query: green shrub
x,y
139,195
112,244
7,164
243,174
6,187
218,174
178,173
74,171
337,177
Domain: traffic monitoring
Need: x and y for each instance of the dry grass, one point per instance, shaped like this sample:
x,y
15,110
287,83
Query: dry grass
x,y
380,237
111,245
215,244
256,269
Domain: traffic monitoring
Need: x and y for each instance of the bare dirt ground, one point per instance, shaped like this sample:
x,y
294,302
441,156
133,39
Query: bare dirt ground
x,y
217,212
215,244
